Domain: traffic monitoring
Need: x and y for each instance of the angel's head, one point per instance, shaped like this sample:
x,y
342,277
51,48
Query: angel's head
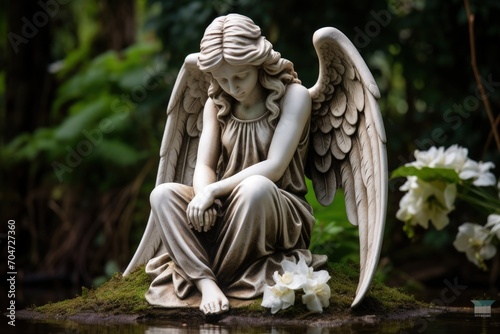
x,y
236,40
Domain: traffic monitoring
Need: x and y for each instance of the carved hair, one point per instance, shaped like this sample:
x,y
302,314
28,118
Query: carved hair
x,y
237,40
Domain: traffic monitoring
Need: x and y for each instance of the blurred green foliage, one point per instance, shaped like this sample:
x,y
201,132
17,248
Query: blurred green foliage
x,y
333,235
94,160
106,106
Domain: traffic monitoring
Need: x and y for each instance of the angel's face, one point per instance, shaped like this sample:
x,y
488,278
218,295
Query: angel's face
x,y
239,81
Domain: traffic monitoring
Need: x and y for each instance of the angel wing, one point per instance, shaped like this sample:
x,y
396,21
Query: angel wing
x,y
348,144
179,146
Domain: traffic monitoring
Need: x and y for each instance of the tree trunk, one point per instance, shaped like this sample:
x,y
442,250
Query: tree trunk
x,y
118,24
28,84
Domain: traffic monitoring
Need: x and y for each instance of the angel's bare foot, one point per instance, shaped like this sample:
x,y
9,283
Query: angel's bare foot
x,y
213,300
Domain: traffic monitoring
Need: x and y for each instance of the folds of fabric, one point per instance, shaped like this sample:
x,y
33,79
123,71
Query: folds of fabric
x,y
261,224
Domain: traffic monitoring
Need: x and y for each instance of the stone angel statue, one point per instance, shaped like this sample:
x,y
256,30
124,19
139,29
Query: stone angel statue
x,y
241,134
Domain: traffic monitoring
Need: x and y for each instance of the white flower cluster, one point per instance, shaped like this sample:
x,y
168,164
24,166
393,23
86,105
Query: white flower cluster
x,y
433,199
297,277
426,201
476,241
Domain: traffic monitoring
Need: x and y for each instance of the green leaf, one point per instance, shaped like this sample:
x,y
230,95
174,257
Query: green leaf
x,y
108,62
85,114
136,52
119,153
427,174
134,78
28,146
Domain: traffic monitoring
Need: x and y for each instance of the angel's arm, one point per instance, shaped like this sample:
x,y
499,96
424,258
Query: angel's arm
x,y
296,110
201,213
208,149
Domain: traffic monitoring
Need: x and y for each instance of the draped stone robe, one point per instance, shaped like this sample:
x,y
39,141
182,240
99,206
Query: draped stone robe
x,y
259,224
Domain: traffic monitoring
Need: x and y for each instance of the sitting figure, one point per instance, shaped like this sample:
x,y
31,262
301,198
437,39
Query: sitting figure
x,y
229,205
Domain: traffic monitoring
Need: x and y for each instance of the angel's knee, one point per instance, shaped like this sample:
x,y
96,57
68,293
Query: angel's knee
x,y
158,194
257,189
163,194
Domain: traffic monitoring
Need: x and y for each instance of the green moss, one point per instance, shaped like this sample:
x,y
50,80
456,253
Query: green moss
x,y
125,295
120,295
379,299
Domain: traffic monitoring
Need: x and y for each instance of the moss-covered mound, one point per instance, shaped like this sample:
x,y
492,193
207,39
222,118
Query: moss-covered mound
x,y
120,295
125,295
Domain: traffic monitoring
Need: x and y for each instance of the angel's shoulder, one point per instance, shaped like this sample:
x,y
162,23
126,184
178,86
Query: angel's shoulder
x,y
296,98
210,108
297,90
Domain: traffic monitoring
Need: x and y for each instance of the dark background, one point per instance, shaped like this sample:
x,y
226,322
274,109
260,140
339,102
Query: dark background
x,y
84,86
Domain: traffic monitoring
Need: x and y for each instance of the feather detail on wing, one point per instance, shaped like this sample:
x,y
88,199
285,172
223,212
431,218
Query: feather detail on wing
x,y
348,144
179,145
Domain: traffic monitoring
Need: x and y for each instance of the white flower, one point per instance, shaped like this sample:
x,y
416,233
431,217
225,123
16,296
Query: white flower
x,y
282,294
412,201
317,292
454,157
426,201
494,223
475,241
278,297
430,158
297,276
479,171
300,268
290,280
